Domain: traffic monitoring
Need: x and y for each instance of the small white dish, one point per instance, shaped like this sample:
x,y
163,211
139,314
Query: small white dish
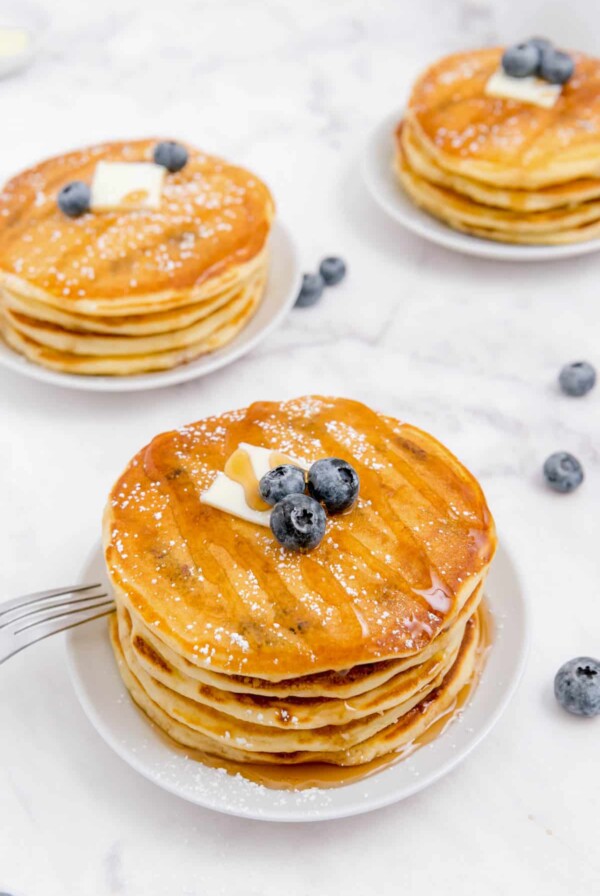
x,y
22,29
282,290
383,186
115,717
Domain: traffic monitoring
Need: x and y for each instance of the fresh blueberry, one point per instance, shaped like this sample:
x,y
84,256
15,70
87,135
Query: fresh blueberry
x,y
74,199
334,483
172,156
521,60
555,67
280,482
577,379
332,270
563,472
298,522
577,686
542,43
310,291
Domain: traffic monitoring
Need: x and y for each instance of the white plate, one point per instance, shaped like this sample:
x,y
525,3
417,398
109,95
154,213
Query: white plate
x,y
115,717
282,290
383,186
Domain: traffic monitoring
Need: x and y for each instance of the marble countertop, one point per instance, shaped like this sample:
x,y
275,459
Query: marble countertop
x,y
468,349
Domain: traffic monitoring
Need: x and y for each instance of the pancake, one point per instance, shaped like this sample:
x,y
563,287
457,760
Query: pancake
x,y
392,738
241,649
305,712
500,168
424,165
127,324
344,684
504,141
73,289
463,212
86,343
225,571
122,365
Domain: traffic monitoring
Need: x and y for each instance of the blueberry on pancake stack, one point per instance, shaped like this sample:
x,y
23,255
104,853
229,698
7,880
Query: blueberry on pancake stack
x,y
129,257
505,145
297,582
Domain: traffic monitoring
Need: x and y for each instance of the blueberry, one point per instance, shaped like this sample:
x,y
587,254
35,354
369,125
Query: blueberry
x,y
334,483
577,379
556,67
74,199
298,522
310,291
172,156
332,270
542,43
577,686
280,482
563,472
521,60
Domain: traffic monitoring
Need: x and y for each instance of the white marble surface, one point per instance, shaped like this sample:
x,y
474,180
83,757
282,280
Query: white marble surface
x,y
468,349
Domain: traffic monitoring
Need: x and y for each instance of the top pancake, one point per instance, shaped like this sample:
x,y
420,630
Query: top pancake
x,y
505,141
212,223
389,575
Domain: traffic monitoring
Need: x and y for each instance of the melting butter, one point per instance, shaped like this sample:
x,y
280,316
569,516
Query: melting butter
x,y
236,490
127,185
525,90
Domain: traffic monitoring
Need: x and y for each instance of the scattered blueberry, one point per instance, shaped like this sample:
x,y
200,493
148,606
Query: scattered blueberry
x,y
577,686
172,156
280,482
310,291
334,483
521,60
577,379
563,472
332,270
298,522
542,43
555,67
74,199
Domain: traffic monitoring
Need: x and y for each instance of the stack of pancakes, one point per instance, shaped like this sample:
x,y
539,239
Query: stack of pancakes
x,y
131,290
243,650
500,168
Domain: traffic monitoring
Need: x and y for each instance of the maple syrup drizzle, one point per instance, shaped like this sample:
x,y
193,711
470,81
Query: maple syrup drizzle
x,y
239,468
324,776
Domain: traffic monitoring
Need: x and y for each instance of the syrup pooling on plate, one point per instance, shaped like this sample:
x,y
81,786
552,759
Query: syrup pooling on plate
x,y
323,775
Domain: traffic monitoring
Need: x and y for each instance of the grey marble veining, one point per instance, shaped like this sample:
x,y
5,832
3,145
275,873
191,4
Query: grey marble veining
x,y
466,348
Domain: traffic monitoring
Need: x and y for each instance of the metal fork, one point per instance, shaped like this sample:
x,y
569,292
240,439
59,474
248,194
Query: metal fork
x,y
30,618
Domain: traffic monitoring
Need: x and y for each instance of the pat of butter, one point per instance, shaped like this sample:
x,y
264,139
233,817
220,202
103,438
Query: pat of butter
x,y
525,90
261,458
123,185
228,495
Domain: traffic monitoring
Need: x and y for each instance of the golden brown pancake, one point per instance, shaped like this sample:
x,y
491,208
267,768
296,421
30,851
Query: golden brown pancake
x,y
500,168
67,285
406,729
242,649
421,163
505,141
384,582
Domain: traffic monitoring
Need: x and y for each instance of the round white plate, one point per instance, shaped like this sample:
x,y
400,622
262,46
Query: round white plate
x,y
383,186
115,717
282,290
